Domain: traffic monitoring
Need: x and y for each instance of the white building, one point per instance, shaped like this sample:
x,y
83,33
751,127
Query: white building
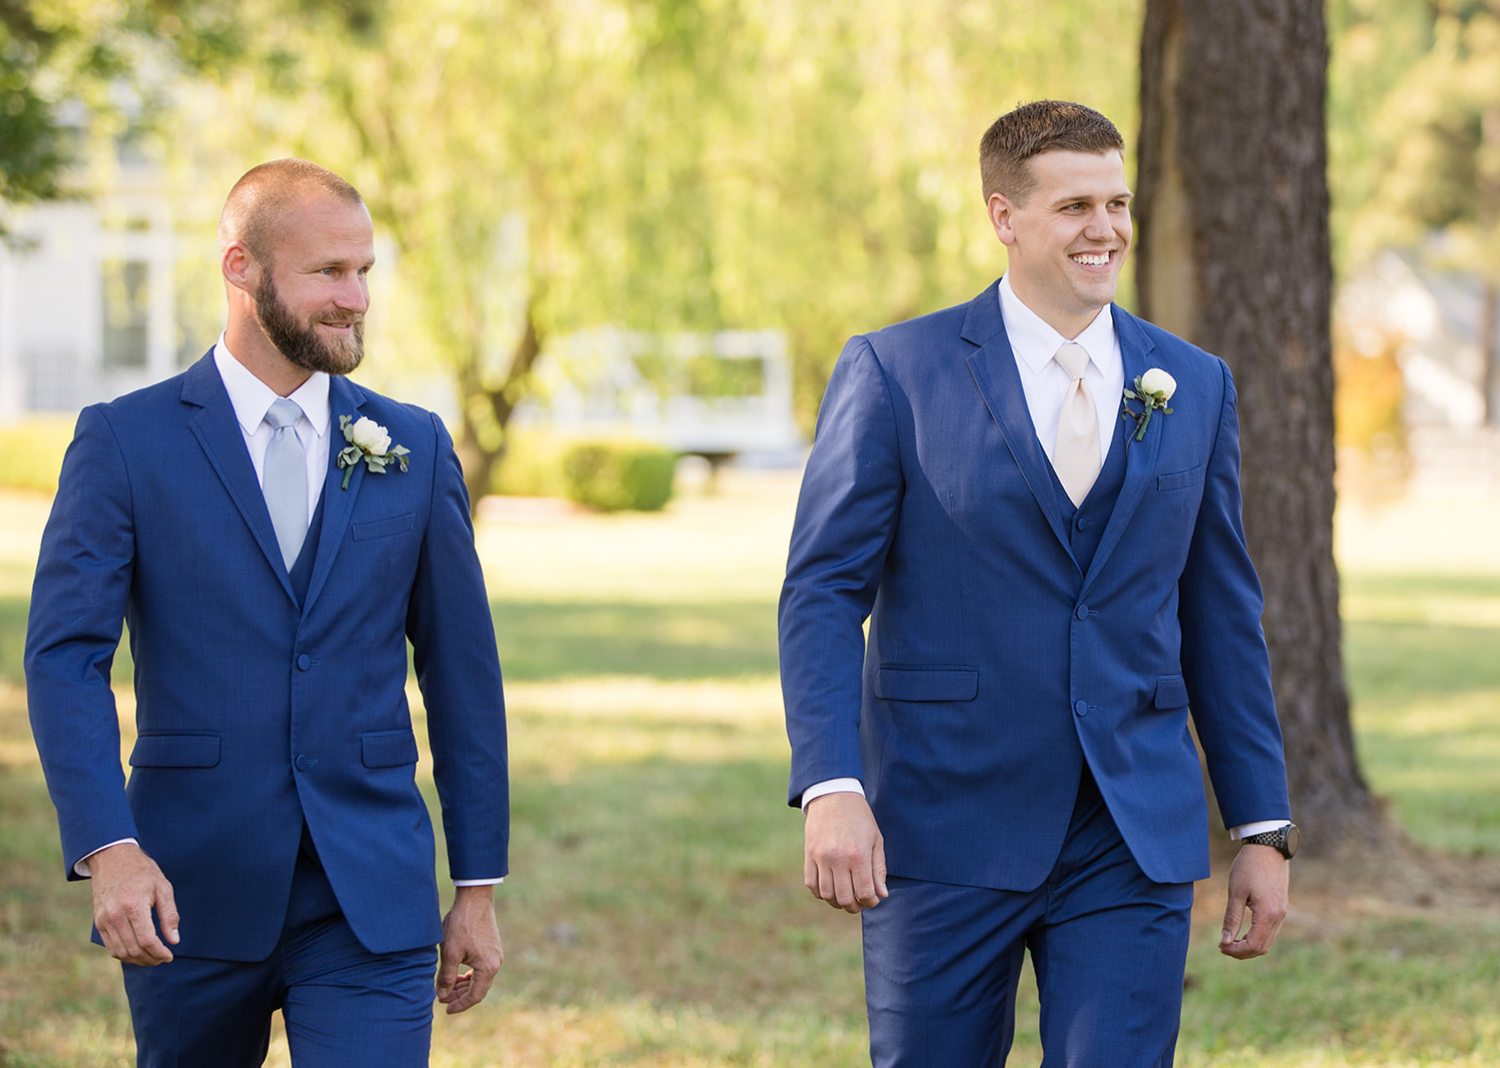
x,y
88,298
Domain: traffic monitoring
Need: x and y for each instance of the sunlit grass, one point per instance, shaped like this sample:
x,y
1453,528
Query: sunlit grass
x,y
655,913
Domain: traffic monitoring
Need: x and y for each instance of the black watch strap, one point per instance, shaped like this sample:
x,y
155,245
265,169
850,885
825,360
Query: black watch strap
x,y
1283,840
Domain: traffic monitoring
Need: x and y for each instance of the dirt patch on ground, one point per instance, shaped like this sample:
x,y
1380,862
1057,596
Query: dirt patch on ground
x,y
1394,879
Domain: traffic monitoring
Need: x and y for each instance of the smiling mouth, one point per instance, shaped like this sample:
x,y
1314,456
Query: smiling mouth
x,y
1091,259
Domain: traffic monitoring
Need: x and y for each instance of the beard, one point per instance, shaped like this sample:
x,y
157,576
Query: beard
x,y
300,343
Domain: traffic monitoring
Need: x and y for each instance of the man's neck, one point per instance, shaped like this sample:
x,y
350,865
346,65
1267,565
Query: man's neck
x,y
1069,324
253,350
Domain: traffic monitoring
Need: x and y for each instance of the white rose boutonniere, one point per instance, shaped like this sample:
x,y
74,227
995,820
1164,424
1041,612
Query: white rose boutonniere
x,y
370,442
1153,389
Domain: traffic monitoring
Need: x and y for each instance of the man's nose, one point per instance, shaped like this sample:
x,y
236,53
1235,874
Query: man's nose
x,y
354,294
1099,225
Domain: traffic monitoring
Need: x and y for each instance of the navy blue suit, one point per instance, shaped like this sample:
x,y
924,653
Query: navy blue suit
x,y
1022,653
268,701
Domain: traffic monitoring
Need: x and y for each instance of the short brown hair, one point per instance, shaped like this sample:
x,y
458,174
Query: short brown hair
x,y
259,200
1030,130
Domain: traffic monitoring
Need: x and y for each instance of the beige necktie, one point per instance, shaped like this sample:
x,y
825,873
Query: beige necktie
x,y
1075,458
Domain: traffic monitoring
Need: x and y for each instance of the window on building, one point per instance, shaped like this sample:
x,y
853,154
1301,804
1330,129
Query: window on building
x,y
126,295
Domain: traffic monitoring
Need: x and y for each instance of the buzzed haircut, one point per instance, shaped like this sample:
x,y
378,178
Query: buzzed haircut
x,y
1030,130
262,197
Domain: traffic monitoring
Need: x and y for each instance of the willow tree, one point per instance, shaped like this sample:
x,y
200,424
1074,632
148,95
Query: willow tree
x,y
1233,253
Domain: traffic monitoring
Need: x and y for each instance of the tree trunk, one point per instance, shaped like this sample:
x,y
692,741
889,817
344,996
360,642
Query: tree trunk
x,y
1232,253
487,410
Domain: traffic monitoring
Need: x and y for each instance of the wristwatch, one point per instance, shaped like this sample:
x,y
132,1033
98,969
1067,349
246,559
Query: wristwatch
x,y
1283,840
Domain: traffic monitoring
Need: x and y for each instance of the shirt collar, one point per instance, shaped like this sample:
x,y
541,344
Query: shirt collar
x,y
1034,341
252,398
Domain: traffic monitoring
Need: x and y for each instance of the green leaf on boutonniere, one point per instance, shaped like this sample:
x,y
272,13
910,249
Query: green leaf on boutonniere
x,y
370,442
1152,389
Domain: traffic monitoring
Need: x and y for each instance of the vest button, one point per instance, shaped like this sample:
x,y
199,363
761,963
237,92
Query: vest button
x,y
304,662
1080,708
1082,523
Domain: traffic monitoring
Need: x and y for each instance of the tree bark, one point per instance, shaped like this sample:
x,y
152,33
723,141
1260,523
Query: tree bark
x,y
1233,253
487,410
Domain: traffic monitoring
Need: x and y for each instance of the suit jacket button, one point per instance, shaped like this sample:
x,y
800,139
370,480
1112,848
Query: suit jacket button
x,y
304,662
1080,707
302,763
1082,612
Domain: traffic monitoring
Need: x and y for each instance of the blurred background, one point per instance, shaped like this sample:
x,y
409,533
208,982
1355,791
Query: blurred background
x,y
620,244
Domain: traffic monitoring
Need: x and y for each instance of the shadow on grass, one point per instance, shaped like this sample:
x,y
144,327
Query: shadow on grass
x,y
1418,585
1393,663
550,640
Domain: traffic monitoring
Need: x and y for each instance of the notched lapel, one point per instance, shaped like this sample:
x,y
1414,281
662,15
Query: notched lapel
x,y
994,370
344,398
217,429
1140,456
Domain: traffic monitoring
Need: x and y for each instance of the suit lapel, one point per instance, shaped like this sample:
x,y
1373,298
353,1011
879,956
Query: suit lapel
x,y
217,429
1140,456
344,398
994,369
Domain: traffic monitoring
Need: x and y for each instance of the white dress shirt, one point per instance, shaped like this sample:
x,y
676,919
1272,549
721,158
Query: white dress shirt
x,y
1044,382
251,399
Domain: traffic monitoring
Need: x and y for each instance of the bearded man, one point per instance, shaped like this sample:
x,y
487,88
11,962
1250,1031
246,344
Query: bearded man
x,y
274,535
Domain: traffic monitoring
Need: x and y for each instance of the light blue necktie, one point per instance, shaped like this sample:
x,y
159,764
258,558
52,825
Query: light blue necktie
x,y
284,480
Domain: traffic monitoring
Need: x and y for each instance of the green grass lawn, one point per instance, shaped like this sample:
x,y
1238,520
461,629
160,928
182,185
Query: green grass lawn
x,y
655,913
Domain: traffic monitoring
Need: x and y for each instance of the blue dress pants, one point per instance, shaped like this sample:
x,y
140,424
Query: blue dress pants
x,y
1108,945
343,1006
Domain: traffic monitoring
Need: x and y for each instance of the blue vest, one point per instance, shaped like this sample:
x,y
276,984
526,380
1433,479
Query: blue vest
x,y
302,567
1086,522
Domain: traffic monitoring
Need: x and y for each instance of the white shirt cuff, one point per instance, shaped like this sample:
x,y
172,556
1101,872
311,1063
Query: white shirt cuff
x,y
831,786
1245,830
82,867
479,882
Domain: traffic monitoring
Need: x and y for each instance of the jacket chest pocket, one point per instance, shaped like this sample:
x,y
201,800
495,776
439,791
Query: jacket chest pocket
x,y
382,528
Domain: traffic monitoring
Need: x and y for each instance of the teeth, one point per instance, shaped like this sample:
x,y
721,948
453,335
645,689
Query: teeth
x,y
1093,261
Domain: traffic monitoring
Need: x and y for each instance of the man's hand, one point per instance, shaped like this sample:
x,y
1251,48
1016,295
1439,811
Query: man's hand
x,y
1258,879
127,885
470,936
844,852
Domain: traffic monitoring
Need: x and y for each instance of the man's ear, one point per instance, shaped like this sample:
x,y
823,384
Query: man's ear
x,y
1000,218
239,267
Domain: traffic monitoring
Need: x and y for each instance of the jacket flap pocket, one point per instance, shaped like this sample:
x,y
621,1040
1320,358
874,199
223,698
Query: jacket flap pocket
x,y
175,751
388,749
1171,692
1179,479
926,684
382,528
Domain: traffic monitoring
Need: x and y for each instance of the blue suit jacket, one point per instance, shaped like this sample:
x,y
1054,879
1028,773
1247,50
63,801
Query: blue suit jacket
x,y
255,714
995,666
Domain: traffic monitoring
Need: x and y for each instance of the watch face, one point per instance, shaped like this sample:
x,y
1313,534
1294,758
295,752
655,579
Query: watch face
x,y
1292,837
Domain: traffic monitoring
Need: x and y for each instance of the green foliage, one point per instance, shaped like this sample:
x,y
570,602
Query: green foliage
x,y
532,465
808,165
113,58
1414,118
31,452
622,475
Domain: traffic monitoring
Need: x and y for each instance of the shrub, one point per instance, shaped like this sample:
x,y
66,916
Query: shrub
x,y
31,451
532,465
618,475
